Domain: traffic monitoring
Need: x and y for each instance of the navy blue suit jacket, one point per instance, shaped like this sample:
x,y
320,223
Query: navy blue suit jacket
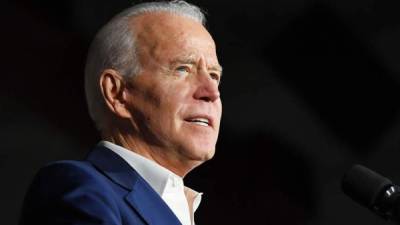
x,y
102,189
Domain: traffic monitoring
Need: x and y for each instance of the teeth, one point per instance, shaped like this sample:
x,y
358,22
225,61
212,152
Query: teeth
x,y
200,121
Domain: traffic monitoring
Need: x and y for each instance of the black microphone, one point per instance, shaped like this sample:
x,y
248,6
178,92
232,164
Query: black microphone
x,y
373,191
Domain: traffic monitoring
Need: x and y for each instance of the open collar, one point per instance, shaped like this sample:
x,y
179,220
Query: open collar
x,y
154,174
141,196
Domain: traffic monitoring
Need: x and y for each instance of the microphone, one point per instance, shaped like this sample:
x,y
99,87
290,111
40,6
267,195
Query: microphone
x,y
373,191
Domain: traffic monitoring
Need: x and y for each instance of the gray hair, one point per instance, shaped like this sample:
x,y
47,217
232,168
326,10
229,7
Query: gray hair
x,y
114,47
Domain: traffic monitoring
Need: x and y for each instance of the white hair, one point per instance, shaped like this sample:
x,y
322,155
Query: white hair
x,y
114,47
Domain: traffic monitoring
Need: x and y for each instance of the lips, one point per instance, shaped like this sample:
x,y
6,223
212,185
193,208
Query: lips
x,y
201,120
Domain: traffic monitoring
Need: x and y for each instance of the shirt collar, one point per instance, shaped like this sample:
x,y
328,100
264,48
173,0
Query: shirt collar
x,y
160,179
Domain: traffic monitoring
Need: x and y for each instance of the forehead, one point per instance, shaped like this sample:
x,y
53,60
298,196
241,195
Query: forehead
x,y
165,36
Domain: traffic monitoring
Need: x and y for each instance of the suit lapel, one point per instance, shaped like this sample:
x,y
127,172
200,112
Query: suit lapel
x,y
141,196
113,166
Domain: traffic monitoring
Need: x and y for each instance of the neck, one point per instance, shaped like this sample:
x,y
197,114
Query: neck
x,y
167,158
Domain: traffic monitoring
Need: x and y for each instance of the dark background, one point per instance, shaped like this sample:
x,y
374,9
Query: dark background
x,y
309,88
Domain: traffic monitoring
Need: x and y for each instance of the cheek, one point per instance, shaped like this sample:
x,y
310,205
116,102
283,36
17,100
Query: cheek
x,y
144,104
168,108
164,103
175,98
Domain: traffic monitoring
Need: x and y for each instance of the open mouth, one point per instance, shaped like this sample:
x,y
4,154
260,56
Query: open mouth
x,y
200,121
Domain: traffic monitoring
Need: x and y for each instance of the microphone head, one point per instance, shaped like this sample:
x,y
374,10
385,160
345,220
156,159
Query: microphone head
x,y
364,185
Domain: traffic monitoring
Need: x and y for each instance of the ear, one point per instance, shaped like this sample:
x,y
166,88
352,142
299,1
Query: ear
x,y
113,89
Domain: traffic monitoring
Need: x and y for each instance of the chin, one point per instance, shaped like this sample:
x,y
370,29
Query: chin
x,y
201,153
197,151
193,158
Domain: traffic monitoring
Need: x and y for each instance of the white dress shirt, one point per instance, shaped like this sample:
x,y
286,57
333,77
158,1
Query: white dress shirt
x,y
167,184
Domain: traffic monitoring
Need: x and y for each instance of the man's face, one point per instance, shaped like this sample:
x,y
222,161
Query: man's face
x,y
174,101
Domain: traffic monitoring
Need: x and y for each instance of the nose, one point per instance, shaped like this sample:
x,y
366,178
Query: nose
x,y
207,88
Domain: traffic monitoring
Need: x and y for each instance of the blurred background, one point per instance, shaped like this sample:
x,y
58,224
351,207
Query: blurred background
x,y
309,89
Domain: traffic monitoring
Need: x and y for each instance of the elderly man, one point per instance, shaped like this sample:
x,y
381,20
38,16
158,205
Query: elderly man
x,y
152,78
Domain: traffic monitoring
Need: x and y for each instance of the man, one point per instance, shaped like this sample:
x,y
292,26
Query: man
x,y
152,77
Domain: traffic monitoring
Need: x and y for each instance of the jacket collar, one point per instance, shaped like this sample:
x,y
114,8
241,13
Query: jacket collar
x,y
141,196
114,167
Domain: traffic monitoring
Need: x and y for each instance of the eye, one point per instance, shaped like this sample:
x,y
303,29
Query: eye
x,y
216,77
182,70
